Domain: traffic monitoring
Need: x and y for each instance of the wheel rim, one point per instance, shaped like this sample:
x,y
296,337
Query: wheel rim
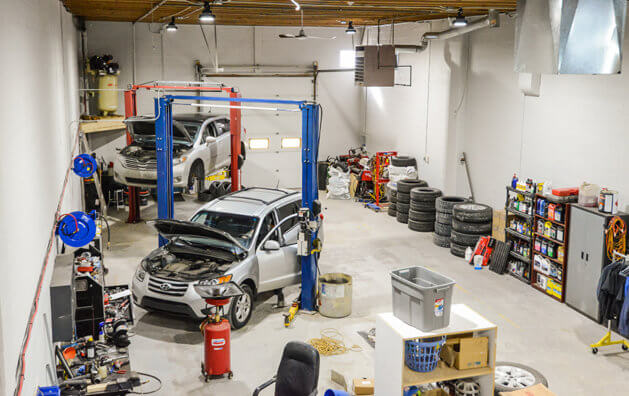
x,y
514,377
243,306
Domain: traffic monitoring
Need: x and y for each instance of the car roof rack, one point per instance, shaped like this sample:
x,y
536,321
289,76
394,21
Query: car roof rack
x,y
232,195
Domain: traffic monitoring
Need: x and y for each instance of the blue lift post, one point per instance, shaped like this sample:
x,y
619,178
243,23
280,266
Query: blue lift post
x,y
309,183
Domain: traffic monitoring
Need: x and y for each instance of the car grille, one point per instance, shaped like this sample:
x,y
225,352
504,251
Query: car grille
x,y
134,163
172,307
167,288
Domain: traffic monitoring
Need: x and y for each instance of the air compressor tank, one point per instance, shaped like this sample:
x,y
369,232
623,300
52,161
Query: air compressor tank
x,y
108,94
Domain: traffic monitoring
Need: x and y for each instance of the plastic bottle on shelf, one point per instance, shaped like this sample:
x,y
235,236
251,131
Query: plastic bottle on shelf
x,y
514,181
559,214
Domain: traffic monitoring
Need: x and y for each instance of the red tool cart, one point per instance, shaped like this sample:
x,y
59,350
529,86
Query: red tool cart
x,y
382,160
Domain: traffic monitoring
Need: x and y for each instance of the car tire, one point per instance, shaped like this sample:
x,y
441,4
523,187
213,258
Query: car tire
x,y
471,228
465,239
421,216
456,249
402,217
393,198
440,240
404,198
472,213
406,185
511,377
224,188
423,206
391,211
403,161
239,315
444,218
445,204
403,207
443,229
428,194
421,226
196,171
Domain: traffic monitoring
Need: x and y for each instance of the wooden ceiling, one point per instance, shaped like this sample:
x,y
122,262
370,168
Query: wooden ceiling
x,y
282,12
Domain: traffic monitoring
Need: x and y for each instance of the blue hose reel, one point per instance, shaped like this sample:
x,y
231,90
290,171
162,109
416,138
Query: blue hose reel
x,y
77,229
84,165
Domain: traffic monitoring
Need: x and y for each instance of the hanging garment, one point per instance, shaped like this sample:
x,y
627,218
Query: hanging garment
x,y
611,291
623,321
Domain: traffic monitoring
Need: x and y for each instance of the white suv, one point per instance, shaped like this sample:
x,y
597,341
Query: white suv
x,y
201,145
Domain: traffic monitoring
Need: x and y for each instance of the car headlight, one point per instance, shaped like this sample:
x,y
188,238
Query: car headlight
x,y
140,274
179,160
216,281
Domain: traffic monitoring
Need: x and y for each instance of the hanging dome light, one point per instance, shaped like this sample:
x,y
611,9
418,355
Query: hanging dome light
x,y
206,15
460,19
171,27
350,28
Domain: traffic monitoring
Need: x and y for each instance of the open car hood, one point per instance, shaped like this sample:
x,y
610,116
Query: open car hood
x,y
173,228
149,122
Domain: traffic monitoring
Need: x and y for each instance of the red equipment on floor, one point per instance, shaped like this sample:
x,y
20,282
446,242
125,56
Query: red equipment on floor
x,y
216,329
484,247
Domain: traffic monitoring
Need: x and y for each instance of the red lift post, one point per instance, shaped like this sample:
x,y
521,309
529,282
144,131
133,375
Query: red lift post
x,y
130,106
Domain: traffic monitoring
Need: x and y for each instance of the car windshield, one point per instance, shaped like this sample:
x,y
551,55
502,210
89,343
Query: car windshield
x,y
193,129
144,132
240,227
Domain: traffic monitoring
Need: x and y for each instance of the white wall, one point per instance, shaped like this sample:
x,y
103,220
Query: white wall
x,y
574,132
39,101
341,100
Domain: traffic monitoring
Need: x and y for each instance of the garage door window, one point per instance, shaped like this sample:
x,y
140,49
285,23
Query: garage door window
x,y
259,144
291,143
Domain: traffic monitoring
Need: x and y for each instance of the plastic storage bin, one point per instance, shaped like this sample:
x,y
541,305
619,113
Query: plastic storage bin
x,y
48,391
422,298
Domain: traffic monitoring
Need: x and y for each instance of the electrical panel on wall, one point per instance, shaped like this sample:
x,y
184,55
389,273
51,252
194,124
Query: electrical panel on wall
x,y
375,66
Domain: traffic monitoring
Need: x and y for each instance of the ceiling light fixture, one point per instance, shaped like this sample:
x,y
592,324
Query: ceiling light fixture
x,y
206,15
297,6
350,28
460,19
171,27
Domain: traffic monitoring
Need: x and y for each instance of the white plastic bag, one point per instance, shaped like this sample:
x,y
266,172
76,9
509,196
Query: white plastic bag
x,y
588,194
338,184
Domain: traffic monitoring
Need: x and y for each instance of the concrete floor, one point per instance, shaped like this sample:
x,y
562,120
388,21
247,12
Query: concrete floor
x,y
532,328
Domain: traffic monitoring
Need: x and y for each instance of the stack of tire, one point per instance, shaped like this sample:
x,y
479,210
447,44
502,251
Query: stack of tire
x,y
421,216
403,161
470,221
392,196
216,190
403,197
443,219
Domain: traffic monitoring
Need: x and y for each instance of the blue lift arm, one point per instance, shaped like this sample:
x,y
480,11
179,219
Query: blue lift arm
x,y
309,184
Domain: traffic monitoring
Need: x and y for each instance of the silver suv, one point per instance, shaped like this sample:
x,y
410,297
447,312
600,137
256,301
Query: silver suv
x,y
248,237
201,145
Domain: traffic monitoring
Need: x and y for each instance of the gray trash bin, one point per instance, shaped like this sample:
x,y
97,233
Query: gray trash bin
x,y
422,298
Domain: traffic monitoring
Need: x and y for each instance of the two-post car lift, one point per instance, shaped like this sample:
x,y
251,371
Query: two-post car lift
x,y
309,155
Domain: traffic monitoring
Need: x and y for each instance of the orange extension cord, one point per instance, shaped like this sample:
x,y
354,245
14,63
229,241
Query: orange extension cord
x,y
616,237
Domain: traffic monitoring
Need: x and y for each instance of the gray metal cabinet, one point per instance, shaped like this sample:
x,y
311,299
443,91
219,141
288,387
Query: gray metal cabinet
x,y
586,257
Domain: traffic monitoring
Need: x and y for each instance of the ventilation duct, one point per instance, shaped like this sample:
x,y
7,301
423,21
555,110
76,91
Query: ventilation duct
x,y
570,36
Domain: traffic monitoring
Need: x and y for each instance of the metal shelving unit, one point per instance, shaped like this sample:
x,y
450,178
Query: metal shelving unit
x,y
520,239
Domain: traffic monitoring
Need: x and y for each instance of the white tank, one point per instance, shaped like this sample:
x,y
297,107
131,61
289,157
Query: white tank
x,y
107,100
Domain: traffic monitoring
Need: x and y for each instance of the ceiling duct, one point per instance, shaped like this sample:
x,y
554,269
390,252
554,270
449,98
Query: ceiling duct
x,y
570,36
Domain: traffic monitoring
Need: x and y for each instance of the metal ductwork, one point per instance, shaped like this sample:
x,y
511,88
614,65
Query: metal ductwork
x,y
570,36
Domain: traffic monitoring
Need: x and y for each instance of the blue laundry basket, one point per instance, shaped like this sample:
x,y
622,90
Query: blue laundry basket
x,y
423,356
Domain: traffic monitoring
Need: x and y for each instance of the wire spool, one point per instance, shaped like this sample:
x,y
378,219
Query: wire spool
x,y
84,165
76,229
615,237
331,343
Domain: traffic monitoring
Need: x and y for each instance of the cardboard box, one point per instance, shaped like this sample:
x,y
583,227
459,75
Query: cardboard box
x,y
435,392
466,352
498,225
536,390
353,184
363,386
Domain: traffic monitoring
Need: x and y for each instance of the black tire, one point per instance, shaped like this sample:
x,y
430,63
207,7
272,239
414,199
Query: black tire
x,y
406,185
421,226
196,171
444,218
423,206
445,204
394,198
206,196
425,194
456,249
471,228
402,217
403,197
504,377
470,212
440,240
421,216
214,189
225,188
403,160
391,210
443,229
464,239
238,319
403,207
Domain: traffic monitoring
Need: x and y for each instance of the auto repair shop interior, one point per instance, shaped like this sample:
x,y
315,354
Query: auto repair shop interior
x,y
314,197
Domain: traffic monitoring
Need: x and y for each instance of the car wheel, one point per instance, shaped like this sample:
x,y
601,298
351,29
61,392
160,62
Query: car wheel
x,y
514,376
196,172
241,308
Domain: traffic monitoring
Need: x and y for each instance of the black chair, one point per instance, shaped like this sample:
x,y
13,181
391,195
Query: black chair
x,y
298,374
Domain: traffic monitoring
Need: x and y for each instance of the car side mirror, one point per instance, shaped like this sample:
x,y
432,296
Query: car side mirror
x,y
271,245
209,139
